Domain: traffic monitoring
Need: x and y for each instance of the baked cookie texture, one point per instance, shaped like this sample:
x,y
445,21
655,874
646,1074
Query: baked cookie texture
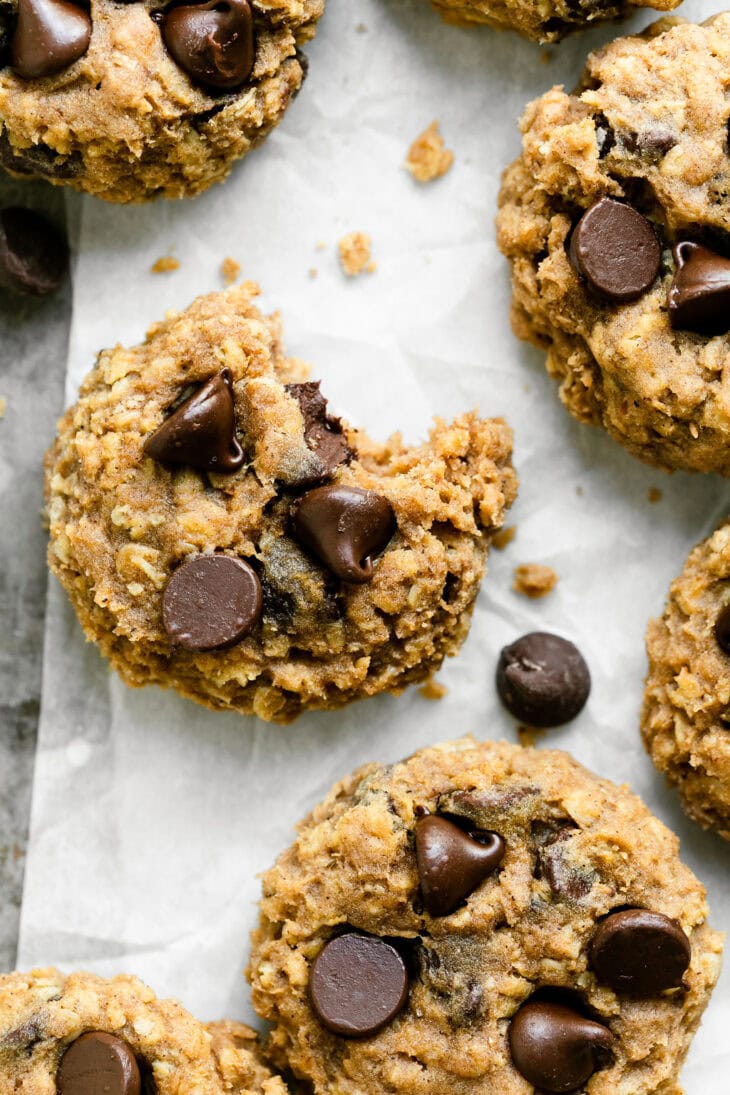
x,y
647,126
686,716
127,123
43,1013
546,21
576,848
121,522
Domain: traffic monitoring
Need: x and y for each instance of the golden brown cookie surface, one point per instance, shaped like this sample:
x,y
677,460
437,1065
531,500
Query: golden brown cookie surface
x,y
546,21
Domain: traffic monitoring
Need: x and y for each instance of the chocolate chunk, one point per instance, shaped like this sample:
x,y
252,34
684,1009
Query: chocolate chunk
x,y
452,863
699,296
49,36
543,679
556,1048
201,433
322,431
39,160
358,984
640,952
212,42
33,254
97,1063
616,250
211,601
344,527
722,629
554,862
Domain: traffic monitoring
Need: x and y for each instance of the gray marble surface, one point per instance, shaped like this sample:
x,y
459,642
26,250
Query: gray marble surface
x,y
33,348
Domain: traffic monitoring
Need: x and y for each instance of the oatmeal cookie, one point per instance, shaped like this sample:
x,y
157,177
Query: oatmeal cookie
x,y
686,716
546,21
79,1034
219,532
616,221
517,923
136,100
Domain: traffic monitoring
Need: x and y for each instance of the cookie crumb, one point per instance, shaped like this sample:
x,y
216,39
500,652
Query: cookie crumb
x,y
534,580
654,495
529,736
231,270
433,690
3,406
355,257
313,271
546,56
361,28
427,158
503,537
320,245
165,265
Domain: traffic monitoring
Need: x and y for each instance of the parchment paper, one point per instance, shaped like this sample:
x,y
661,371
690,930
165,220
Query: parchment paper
x,y
152,816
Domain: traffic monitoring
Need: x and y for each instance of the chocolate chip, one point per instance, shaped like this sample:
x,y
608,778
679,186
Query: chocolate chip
x,y
616,250
640,952
452,863
212,42
722,629
555,1047
358,984
344,527
699,296
543,679
98,1062
554,862
201,433
322,431
211,601
39,160
49,36
33,254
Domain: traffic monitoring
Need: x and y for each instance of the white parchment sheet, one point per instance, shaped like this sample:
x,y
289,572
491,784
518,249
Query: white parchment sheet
x,y
152,816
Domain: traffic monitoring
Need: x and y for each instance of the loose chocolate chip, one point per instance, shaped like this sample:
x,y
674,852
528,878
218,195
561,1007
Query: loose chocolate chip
x,y
202,431
322,431
212,42
452,863
543,679
358,984
98,1062
49,36
722,629
616,250
556,1048
699,296
33,254
640,952
211,601
344,527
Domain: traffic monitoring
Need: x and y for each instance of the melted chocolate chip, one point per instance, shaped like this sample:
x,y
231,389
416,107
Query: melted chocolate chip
x,y
699,296
640,952
211,601
358,984
554,862
344,527
98,1062
543,679
201,433
616,250
212,42
722,629
39,160
33,254
322,431
453,863
556,1048
49,36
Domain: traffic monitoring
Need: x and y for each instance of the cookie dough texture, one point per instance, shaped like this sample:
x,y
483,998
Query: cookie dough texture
x,y
527,926
686,716
543,20
648,124
126,123
120,522
43,1012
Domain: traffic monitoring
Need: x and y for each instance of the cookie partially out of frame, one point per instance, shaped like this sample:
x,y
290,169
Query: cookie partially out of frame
x,y
546,21
486,920
616,223
220,532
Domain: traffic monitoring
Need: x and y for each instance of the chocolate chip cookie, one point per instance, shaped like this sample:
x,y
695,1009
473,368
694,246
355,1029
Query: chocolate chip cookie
x,y
141,99
220,532
482,918
544,22
686,716
82,1035
616,221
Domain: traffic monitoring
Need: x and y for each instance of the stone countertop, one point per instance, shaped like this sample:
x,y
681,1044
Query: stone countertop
x,y
33,350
